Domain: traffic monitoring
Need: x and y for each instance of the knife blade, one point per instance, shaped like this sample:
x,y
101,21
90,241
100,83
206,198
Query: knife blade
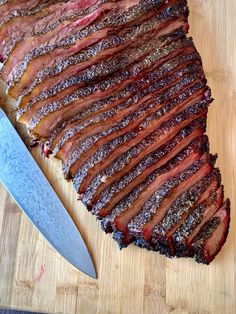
x,y
26,183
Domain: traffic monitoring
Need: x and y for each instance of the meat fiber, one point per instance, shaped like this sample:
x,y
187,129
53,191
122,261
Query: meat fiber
x,y
116,90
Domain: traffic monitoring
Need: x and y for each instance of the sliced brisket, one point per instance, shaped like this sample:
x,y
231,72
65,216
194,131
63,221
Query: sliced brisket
x,y
212,236
62,135
127,13
115,82
142,122
193,145
117,92
31,21
105,48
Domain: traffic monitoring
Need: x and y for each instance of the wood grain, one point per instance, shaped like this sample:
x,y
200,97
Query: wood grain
x,y
34,277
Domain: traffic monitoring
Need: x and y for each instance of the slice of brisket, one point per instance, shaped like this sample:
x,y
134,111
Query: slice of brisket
x,y
16,27
116,90
146,29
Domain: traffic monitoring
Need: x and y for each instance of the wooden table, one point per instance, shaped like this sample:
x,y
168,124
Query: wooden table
x,y
34,277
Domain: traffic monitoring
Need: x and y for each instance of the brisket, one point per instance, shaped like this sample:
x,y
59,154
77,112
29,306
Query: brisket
x,y
193,145
50,35
61,113
61,135
98,30
118,80
212,236
116,90
18,26
99,121
148,28
106,153
145,149
47,35
147,116
182,237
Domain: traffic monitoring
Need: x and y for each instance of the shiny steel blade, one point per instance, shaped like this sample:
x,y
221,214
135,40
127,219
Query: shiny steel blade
x,y
24,180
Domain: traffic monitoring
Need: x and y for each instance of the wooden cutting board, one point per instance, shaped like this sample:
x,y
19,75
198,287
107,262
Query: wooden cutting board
x,y
34,277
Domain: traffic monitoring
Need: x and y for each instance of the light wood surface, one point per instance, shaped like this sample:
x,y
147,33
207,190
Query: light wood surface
x,y
34,277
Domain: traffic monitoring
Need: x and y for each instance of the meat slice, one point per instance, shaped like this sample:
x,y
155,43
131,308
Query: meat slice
x,y
167,244
108,85
120,110
114,193
14,68
18,53
105,48
171,218
89,35
119,79
65,133
190,226
176,187
187,201
28,22
134,127
42,129
108,151
212,236
139,153
131,204
199,190
173,161
72,72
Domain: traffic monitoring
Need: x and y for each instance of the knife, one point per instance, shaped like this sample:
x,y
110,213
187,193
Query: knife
x,y
26,183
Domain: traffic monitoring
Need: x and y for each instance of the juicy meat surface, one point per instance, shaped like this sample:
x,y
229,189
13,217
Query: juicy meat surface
x,y
116,90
